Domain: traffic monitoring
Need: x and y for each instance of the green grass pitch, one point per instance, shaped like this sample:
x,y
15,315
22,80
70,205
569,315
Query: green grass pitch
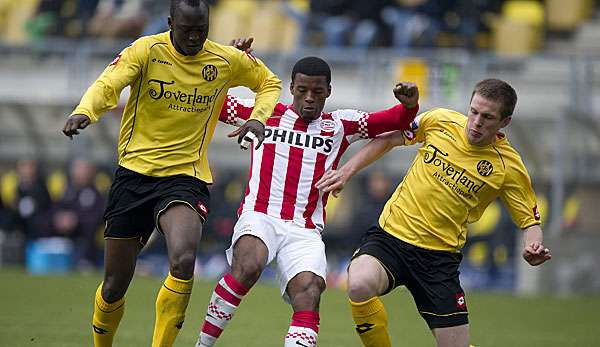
x,y
53,311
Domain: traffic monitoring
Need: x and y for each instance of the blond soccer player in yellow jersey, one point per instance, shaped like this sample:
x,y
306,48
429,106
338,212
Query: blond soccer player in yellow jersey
x,y
178,82
463,164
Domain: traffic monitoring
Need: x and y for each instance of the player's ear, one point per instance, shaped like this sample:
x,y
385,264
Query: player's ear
x,y
170,22
506,121
328,90
292,87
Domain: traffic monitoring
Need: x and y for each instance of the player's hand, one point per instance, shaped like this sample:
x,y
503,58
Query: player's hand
x,y
253,126
407,93
332,181
536,253
75,123
244,44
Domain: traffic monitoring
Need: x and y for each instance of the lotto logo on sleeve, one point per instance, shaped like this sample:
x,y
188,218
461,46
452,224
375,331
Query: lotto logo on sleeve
x,y
251,56
536,213
460,301
115,61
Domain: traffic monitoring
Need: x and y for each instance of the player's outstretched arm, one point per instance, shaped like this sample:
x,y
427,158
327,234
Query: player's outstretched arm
x,y
407,93
334,180
534,251
75,123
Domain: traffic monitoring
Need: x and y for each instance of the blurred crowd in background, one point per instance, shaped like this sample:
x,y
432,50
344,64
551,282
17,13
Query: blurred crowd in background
x,y
301,23
332,23
52,220
69,204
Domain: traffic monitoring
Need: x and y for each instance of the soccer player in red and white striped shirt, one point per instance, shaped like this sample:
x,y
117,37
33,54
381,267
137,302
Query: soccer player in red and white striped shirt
x,y
282,214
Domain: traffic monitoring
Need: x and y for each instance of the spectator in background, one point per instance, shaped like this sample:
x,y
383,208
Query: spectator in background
x,y
6,219
118,19
227,192
298,10
415,22
78,215
374,191
347,22
76,15
156,12
67,18
467,18
32,201
46,20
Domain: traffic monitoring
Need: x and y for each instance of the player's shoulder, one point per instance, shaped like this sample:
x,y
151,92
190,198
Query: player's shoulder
x,y
439,117
228,52
217,47
445,114
346,114
279,110
506,149
151,40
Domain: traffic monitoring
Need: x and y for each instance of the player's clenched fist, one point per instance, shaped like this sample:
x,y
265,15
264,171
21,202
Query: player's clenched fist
x,y
536,254
74,124
407,93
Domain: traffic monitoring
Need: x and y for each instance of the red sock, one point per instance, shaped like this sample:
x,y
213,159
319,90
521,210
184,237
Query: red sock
x,y
304,329
230,293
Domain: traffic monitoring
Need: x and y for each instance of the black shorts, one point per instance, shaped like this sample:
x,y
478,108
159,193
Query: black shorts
x,y
135,202
430,276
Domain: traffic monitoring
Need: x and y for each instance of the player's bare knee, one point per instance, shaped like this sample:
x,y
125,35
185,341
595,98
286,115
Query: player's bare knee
x,y
112,290
246,271
364,286
305,291
182,265
307,299
314,287
360,289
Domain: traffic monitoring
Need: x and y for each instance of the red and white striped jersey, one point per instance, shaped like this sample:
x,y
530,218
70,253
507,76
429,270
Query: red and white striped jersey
x,y
296,153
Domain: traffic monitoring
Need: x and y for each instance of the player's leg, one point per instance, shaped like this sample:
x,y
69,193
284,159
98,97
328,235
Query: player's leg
x,y
182,227
129,223
250,256
249,260
457,336
432,278
302,267
119,265
304,291
367,280
253,245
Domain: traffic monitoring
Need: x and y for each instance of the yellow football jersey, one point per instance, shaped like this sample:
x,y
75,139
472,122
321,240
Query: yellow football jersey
x,y
175,102
450,183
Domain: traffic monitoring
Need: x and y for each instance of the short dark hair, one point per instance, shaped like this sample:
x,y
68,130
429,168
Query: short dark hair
x,y
191,3
312,66
499,91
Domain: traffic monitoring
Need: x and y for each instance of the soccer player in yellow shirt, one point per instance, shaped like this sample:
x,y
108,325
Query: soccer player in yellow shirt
x,y
178,81
463,164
